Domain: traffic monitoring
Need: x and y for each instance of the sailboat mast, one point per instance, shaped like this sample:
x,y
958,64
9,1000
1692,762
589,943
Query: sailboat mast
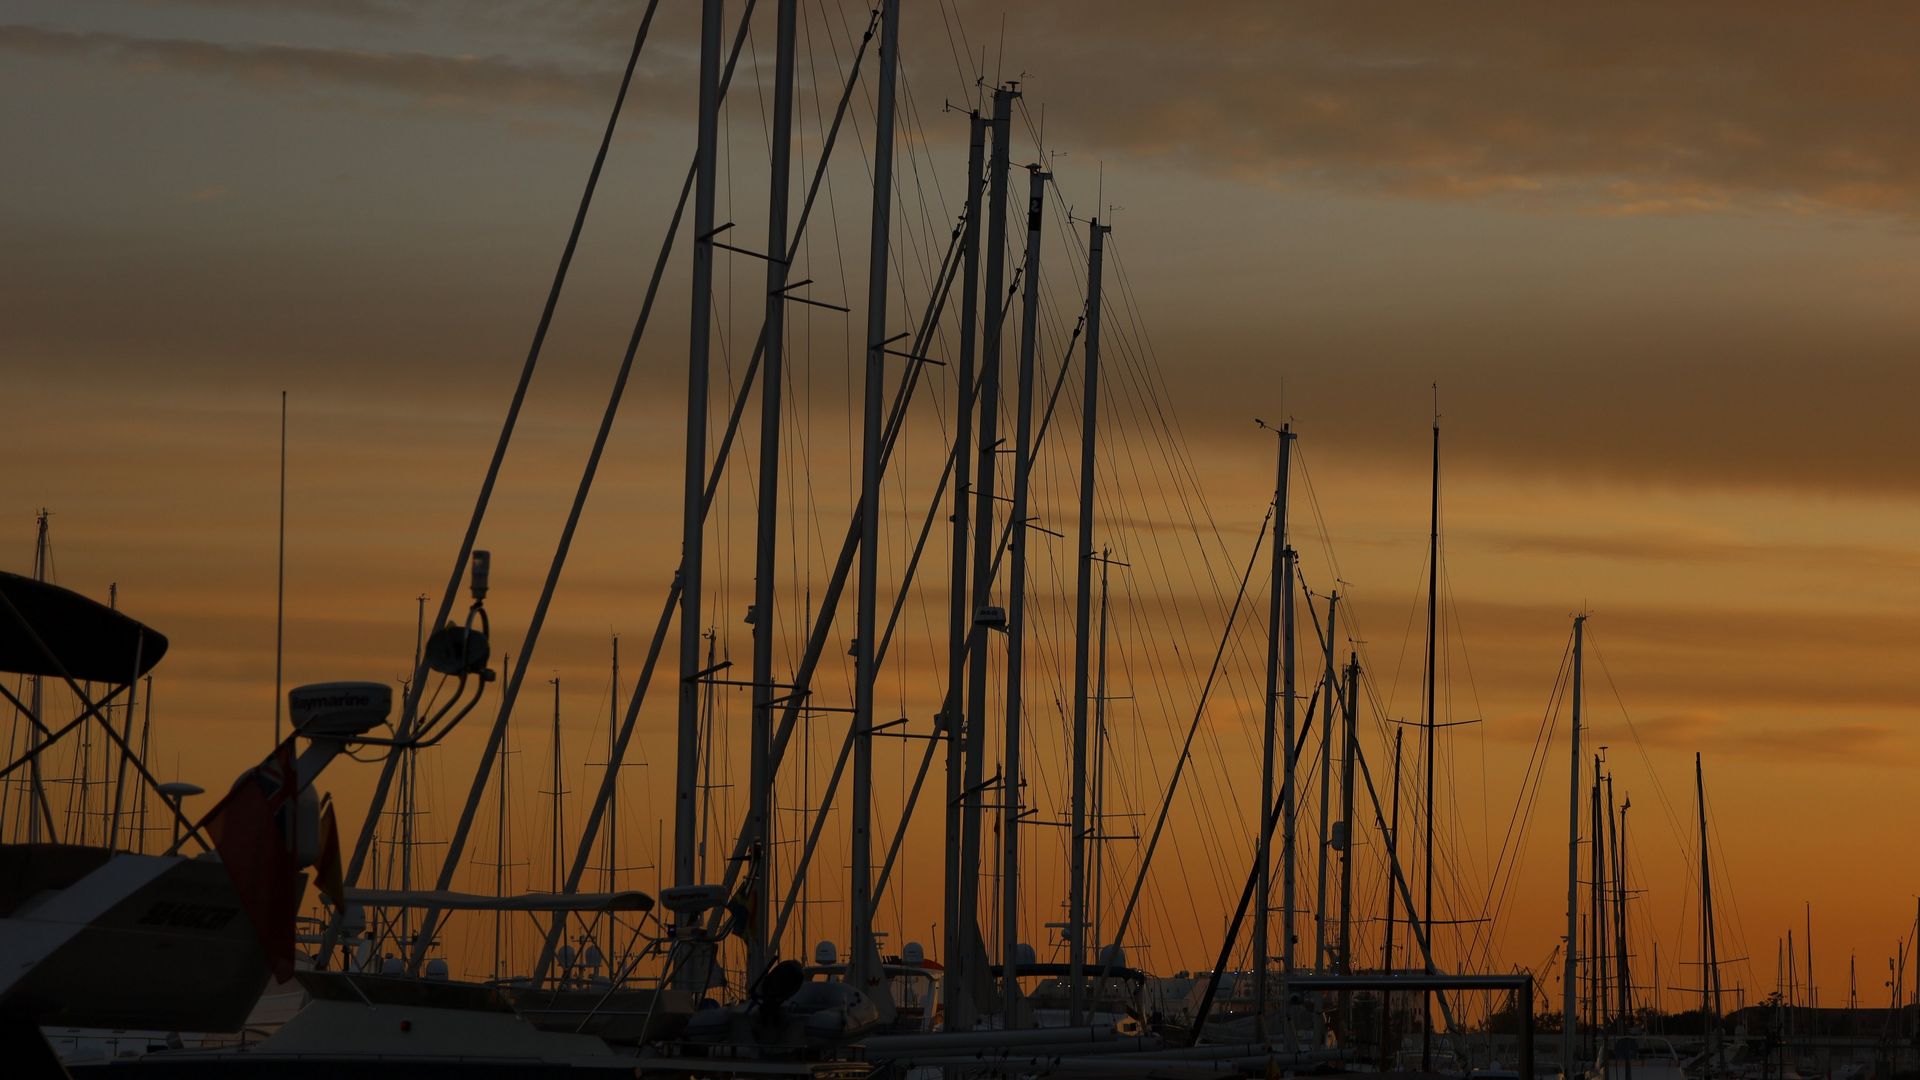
x,y
986,446
1013,792
140,804
1597,922
1347,753
1330,682
1710,967
1083,593
707,787
1276,600
1386,950
1289,739
1099,797
612,849
956,917
409,791
126,741
280,582
767,532
1570,971
693,524
558,837
36,791
1813,997
500,845
1433,616
1623,992
862,969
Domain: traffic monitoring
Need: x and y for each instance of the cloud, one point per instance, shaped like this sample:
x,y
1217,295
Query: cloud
x,y
1686,665
1852,741
1639,109
425,78
1715,733
362,10
1682,547
1635,108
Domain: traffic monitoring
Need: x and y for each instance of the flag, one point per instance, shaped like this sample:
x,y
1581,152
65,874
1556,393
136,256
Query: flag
x,y
332,881
252,829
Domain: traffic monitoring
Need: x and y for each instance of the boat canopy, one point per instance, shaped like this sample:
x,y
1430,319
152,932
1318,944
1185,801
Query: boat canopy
x,y
88,641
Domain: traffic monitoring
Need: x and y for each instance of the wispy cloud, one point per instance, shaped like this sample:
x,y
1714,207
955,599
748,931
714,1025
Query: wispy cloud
x,y
1712,731
1649,109
1691,548
1634,108
424,78
365,10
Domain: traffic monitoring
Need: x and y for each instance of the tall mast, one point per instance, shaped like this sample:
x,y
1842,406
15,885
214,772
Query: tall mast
x,y
409,785
126,741
1710,988
559,833
557,830
35,699
1277,600
707,787
1012,793
1623,990
1330,684
1813,997
500,845
693,532
767,533
1570,971
613,795
1433,614
1386,949
1597,921
1347,753
862,968
1089,426
957,919
140,804
986,446
1289,738
1099,782
280,581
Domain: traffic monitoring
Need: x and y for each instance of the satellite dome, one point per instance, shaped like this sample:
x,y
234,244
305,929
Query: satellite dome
x,y
339,710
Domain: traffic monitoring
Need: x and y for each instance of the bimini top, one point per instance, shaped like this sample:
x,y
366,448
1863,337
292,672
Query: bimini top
x,y
91,641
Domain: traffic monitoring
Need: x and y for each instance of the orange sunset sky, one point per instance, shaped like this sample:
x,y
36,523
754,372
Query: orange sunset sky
x,y
1656,257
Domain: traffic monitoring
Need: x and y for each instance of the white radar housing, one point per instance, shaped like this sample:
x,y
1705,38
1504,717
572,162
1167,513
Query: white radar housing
x,y
339,710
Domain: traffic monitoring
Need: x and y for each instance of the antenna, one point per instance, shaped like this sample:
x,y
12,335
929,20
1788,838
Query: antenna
x,y
1000,56
280,578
